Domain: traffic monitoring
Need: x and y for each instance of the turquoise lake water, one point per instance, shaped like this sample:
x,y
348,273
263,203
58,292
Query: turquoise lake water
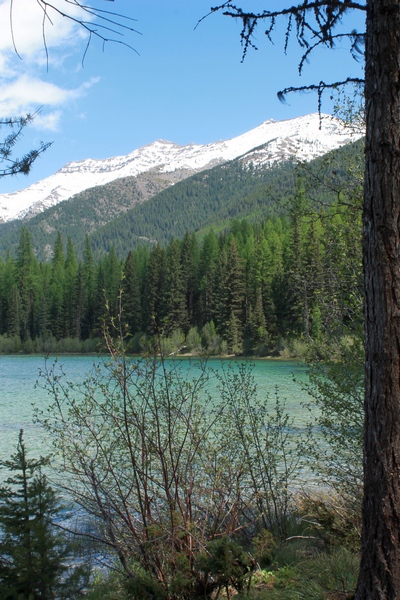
x,y
19,393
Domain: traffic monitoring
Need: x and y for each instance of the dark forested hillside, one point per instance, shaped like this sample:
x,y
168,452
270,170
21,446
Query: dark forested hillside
x,y
84,213
211,198
240,290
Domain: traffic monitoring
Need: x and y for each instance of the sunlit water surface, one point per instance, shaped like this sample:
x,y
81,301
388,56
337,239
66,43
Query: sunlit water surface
x,y
20,393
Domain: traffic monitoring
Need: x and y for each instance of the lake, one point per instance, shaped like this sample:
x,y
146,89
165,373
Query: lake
x,y
19,394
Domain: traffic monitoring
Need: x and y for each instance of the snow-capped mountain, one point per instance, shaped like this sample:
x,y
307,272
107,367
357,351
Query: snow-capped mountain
x,y
303,138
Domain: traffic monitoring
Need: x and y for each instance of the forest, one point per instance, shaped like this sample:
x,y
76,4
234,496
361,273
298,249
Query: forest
x,y
249,289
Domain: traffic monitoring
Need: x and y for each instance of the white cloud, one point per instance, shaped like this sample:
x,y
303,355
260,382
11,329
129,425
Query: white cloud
x,y
25,85
26,94
30,26
47,122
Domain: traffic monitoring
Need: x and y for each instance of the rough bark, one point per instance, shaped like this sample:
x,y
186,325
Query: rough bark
x,y
380,563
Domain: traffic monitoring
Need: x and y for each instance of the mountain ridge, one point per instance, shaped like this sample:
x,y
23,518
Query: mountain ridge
x,y
302,138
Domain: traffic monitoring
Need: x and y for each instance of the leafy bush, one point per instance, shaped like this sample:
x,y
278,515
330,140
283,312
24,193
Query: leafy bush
x,y
167,471
211,341
262,449
141,454
333,518
193,341
224,564
69,345
10,345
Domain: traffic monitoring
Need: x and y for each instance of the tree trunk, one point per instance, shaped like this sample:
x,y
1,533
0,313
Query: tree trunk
x,y
380,562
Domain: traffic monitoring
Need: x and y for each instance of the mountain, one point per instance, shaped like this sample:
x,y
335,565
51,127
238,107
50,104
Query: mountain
x,y
302,139
211,198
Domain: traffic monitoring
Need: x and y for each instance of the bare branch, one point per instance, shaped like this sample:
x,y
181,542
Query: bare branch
x,y
315,20
319,88
12,28
355,49
97,24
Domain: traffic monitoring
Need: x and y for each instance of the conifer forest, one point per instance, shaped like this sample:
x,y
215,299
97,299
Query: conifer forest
x,y
238,291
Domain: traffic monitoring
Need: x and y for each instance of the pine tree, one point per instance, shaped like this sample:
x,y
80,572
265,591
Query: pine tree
x,y
176,314
131,300
7,283
57,282
190,261
33,554
69,301
264,268
154,304
79,308
89,279
112,282
298,283
229,294
98,307
207,266
256,324
13,313
45,304
314,274
26,273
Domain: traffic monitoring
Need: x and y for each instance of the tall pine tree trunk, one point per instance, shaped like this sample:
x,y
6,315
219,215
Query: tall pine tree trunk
x,y
380,563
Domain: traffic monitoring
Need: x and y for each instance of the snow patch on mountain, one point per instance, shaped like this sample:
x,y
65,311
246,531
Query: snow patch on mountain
x,y
303,138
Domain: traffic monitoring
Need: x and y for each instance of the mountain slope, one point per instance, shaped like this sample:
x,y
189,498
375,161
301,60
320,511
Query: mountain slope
x,y
302,138
214,198
211,198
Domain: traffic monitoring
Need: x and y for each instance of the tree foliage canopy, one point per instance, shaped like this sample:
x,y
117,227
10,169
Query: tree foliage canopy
x,y
10,165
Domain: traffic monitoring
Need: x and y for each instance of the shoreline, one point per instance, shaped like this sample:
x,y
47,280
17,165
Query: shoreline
x,y
169,357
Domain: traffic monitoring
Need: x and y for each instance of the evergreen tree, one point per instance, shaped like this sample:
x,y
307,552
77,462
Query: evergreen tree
x,y
79,308
131,298
13,314
314,275
33,554
207,266
26,273
264,269
99,311
45,304
190,262
57,282
176,315
256,324
247,252
58,252
112,282
7,283
69,300
229,288
297,281
89,281
343,286
220,295
154,304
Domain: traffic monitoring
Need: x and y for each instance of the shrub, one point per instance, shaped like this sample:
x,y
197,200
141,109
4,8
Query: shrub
x,y
142,455
333,518
193,341
10,345
224,564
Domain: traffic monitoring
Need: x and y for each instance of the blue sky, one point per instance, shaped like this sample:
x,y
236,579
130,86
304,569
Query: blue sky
x,y
185,83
